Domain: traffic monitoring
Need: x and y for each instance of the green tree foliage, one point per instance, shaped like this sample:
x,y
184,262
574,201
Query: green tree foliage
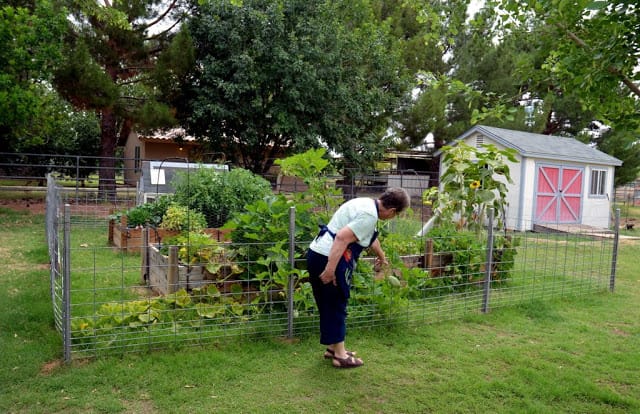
x,y
590,62
54,127
274,77
596,50
417,29
441,48
111,51
30,44
78,135
623,145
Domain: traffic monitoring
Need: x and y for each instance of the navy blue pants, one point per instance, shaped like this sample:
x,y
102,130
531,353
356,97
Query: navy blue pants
x,y
331,301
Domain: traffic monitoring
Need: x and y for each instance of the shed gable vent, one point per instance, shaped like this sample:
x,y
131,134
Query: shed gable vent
x,y
479,141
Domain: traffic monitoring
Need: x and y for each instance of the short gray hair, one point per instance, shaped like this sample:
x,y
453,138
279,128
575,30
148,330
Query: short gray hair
x,y
395,197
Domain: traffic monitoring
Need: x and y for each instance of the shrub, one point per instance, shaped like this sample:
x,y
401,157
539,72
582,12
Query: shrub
x,y
219,194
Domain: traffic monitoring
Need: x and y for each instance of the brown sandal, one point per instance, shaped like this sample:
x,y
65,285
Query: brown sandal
x,y
330,354
348,362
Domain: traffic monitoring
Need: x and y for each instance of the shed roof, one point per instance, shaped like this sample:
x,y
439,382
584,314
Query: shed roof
x,y
544,146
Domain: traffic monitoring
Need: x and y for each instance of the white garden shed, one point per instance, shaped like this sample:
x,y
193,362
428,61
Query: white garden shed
x,y
558,180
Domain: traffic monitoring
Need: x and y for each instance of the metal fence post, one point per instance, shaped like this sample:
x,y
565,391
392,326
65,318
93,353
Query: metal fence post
x,y
77,176
144,277
66,285
292,246
51,229
614,255
489,265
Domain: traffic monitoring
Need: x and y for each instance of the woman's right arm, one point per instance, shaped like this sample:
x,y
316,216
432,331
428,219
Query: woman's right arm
x,y
344,237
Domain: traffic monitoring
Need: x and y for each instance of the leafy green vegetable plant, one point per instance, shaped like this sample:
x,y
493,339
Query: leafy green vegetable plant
x,y
181,218
268,220
312,167
148,213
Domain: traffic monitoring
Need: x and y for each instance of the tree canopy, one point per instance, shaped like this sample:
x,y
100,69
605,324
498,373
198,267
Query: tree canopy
x,y
274,77
30,46
110,54
590,67
261,79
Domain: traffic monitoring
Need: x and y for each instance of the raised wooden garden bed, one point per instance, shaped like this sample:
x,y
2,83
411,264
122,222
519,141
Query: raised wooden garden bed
x,y
164,274
130,240
438,264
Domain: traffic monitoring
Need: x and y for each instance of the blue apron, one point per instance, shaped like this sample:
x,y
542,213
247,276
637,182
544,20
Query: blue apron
x,y
347,263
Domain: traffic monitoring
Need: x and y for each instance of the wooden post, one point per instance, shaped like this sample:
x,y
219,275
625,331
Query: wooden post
x,y
112,224
172,271
428,254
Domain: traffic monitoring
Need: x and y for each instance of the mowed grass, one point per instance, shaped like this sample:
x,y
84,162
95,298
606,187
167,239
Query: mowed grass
x,y
559,356
629,215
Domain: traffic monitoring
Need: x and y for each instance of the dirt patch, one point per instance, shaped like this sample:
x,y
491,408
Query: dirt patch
x,y
620,332
39,206
35,206
144,291
143,405
50,366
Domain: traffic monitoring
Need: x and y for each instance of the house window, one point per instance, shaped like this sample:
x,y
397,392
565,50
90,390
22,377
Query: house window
x,y
598,182
136,161
479,141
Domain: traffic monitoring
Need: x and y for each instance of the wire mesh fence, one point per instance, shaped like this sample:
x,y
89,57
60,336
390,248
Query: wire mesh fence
x,y
152,294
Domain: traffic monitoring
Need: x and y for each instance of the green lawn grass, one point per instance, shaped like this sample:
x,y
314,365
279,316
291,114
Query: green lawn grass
x,y
629,214
560,356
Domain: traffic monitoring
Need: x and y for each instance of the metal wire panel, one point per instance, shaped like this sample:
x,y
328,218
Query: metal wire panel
x,y
118,304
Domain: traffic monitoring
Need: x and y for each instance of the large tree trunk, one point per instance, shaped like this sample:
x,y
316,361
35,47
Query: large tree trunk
x,y
108,140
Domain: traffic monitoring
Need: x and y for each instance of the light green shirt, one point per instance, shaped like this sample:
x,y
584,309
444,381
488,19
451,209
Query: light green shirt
x,y
359,214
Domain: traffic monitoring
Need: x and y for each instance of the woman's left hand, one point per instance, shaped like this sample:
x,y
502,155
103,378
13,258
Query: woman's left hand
x,y
381,261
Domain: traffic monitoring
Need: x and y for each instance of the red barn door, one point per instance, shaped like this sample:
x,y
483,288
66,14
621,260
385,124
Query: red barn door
x,y
558,194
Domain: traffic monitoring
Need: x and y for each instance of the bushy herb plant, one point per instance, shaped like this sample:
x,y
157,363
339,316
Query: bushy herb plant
x,y
181,218
219,194
196,248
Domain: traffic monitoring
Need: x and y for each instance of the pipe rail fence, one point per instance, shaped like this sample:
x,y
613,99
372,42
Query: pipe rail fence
x,y
108,299
122,174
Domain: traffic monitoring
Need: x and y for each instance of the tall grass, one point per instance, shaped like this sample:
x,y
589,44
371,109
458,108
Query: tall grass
x,y
576,355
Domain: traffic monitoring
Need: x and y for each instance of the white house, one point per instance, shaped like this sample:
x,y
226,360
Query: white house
x,y
557,180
